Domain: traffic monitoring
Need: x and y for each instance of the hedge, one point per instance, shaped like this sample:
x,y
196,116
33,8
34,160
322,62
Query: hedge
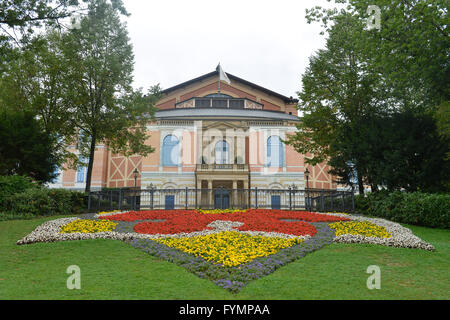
x,y
22,199
10,185
416,208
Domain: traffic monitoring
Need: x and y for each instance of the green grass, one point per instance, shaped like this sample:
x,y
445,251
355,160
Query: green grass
x,y
114,270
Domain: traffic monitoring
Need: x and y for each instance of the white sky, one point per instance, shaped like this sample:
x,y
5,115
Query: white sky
x,y
265,42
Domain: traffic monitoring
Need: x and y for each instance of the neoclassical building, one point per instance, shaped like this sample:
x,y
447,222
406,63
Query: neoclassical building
x,y
206,137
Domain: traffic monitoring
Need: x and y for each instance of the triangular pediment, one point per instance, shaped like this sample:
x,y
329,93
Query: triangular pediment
x,y
208,85
220,125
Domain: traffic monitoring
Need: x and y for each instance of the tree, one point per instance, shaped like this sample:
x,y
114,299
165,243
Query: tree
x,y
410,49
26,15
414,155
25,148
36,82
351,115
442,117
339,89
104,107
402,150
19,19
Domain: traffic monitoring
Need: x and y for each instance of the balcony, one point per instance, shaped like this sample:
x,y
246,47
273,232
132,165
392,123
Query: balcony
x,y
222,167
225,103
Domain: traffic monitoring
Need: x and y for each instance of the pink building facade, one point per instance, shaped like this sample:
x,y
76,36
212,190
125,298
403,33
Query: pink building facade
x,y
209,139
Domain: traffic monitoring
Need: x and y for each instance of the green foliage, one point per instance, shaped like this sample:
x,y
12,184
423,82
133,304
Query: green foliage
x,y
35,81
33,202
367,98
442,117
15,184
19,19
410,50
77,81
105,107
10,185
417,208
399,151
25,148
338,90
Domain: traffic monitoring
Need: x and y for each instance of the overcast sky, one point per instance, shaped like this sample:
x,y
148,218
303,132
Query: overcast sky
x,y
265,42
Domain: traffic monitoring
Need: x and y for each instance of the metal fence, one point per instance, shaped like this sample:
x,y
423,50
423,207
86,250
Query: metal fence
x,y
221,198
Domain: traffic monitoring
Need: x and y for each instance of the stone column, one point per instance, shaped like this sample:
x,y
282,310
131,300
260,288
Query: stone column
x,y
198,194
210,195
246,196
234,194
235,149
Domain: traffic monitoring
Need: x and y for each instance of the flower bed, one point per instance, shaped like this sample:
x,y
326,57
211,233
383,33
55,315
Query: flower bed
x,y
229,247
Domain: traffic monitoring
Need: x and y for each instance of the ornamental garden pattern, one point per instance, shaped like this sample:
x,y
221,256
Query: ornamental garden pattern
x,y
228,247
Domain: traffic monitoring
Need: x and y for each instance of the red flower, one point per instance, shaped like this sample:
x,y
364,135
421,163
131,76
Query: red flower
x,y
177,221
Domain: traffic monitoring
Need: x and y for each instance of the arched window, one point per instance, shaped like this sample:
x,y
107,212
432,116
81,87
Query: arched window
x,y
221,152
170,151
274,152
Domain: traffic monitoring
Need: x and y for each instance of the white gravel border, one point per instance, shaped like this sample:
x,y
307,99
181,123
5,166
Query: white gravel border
x,y
401,237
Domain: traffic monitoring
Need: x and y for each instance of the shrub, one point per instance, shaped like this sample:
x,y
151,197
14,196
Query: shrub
x,y
42,202
14,184
417,208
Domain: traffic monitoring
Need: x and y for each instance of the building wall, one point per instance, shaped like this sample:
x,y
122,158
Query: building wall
x,y
115,171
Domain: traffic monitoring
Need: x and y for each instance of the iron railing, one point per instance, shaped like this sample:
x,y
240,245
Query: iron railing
x,y
321,200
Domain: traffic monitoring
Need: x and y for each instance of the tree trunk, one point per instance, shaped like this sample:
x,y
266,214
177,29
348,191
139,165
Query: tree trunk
x,y
360,182
91,162
374,187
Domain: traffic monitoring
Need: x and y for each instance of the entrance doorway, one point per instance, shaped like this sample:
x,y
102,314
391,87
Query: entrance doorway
x,y
221,198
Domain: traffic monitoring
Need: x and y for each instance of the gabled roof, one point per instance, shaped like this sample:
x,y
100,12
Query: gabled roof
x,y
231,77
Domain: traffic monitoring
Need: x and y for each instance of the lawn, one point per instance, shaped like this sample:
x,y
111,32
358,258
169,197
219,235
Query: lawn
x,y
111,269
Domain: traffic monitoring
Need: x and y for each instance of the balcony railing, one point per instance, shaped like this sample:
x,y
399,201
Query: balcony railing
x,y
225,103
222,167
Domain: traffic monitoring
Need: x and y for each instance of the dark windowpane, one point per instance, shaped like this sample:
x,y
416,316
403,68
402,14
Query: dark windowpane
x,y
237,104
202,103
219,103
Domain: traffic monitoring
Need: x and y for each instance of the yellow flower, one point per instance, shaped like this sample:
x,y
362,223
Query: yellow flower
x,y
218,211
363,228
230,248
106,212
88,226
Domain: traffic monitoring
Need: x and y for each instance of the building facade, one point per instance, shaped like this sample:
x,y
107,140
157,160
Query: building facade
x,y
209,139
